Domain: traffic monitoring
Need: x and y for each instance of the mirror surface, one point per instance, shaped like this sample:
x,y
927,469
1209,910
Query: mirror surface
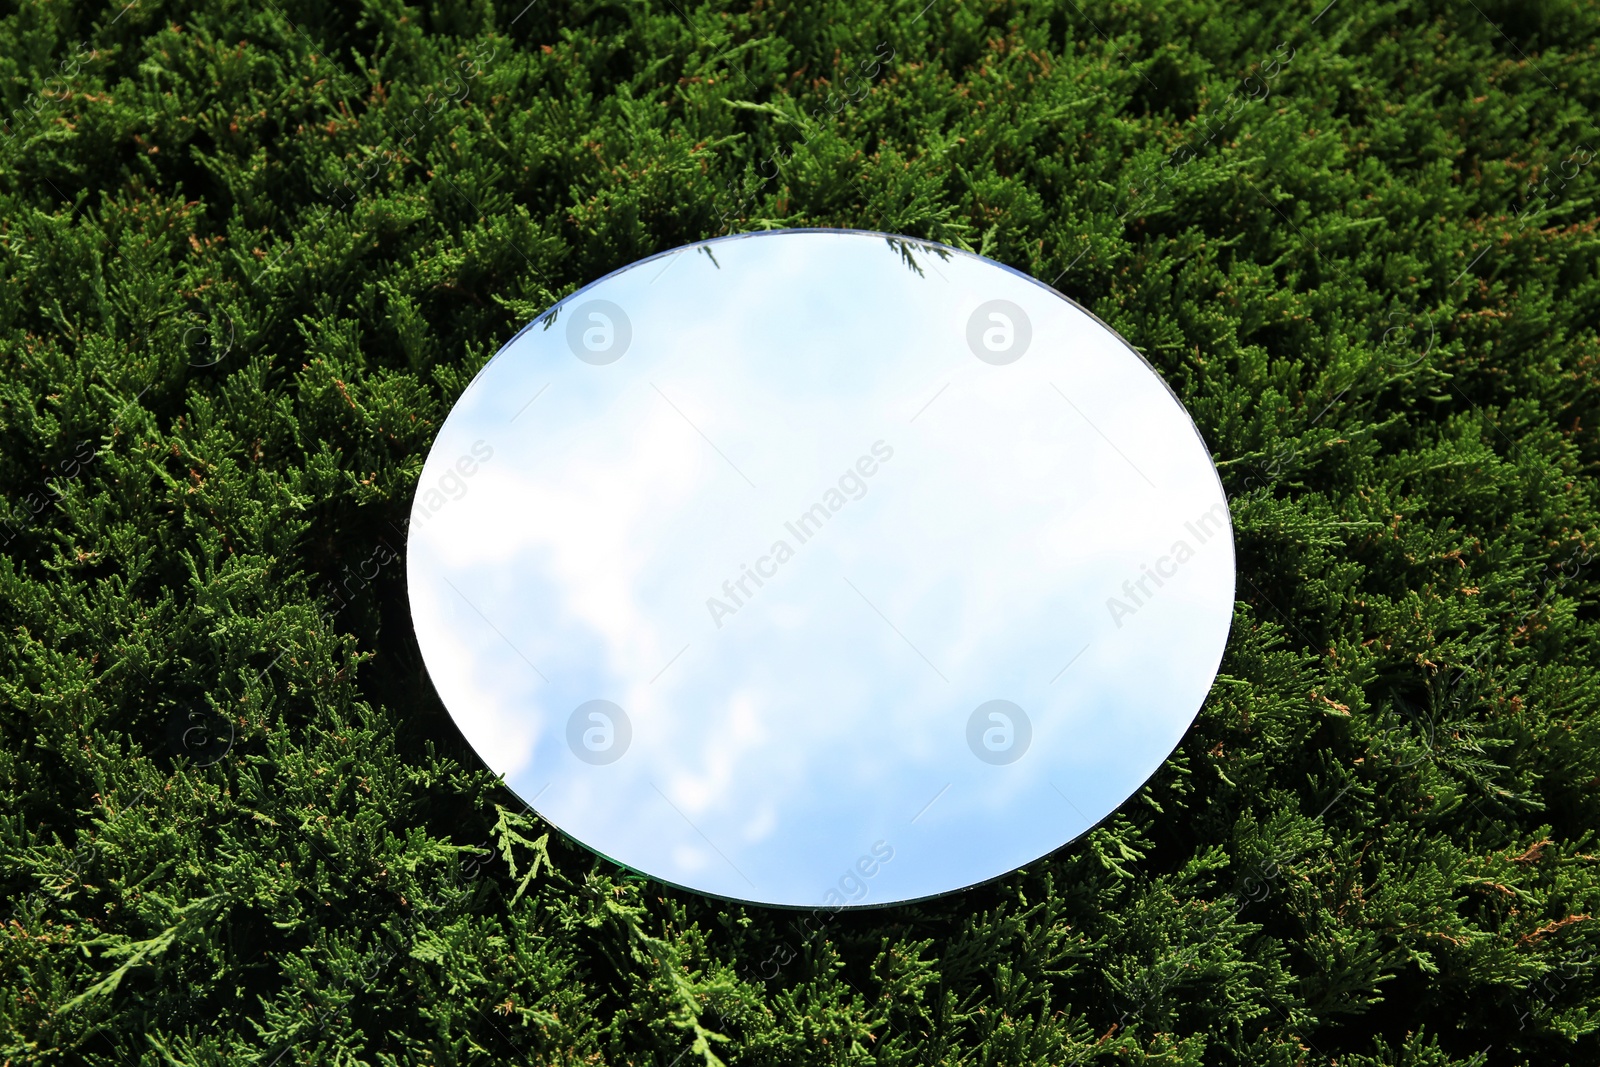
x,y
820,568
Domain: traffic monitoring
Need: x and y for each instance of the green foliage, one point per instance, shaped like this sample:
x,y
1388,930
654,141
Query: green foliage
x,y
250,254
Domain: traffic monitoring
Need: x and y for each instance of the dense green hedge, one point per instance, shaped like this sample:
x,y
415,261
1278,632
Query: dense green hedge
x,y
250,252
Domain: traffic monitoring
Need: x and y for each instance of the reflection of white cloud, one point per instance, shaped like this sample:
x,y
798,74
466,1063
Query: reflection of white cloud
x,y
496,722
761,825
711,772
808,726
689,860
578,522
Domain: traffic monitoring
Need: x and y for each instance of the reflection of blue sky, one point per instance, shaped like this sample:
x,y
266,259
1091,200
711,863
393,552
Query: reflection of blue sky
x,y
806,728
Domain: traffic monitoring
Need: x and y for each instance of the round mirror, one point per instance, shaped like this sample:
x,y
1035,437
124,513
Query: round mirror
x,y
820,568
